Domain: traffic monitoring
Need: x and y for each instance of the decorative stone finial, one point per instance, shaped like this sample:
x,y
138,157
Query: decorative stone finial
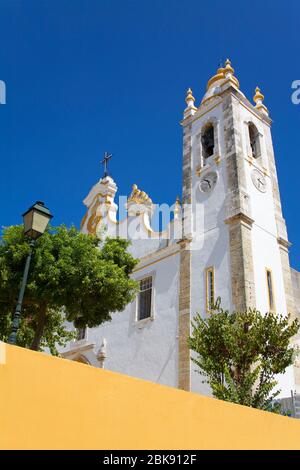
x,y
258,100
177,208
101,355
229,73
258,97
228,68
190,100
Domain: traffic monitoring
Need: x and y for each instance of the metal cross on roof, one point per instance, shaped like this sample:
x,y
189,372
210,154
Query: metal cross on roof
x,y
105,161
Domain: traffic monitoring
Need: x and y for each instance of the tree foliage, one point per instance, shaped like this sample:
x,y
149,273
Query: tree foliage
x,y
240,353
73,277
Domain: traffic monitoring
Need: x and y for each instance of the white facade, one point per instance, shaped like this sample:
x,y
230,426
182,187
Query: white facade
x,y
149,348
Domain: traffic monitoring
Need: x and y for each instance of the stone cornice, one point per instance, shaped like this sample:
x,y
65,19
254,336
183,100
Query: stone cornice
x,y
234,92
200,113
239,216
246,103
78,348
284,243
157,256
184,242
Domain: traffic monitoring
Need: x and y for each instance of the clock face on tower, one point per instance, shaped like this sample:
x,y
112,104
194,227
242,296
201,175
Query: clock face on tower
x,y
259,180
208,181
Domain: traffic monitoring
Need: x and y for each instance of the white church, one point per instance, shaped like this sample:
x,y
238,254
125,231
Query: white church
x,y
226,238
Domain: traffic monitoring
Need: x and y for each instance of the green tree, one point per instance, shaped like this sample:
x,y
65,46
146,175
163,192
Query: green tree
x,y
240,353
71,278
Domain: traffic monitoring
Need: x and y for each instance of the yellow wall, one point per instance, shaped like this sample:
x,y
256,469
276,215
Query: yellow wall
x,y
52,403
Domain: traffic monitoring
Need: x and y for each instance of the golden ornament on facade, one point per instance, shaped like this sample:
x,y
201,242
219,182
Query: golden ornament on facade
x,y
93,223
229,73
217,160
224,73
94,219
189,96
139,197
219,76
258,95
228,67
258,100
83,220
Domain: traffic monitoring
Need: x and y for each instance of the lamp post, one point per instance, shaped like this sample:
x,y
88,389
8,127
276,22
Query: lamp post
x,y
36,219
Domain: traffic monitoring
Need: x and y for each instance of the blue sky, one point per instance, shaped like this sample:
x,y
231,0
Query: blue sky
x,y
85,76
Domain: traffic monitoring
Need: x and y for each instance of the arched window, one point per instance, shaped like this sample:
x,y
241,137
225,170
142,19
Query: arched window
x,y
254,140
208,141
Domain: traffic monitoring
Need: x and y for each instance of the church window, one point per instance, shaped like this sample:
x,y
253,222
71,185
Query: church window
x,y
254,140
145,299
80,334
210,288
208,141
270,290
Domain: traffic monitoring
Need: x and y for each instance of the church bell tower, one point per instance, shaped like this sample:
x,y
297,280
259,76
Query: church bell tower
x,y
236,238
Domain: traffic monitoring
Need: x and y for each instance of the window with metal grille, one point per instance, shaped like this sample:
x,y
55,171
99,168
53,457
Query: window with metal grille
x,y
270,290
145,299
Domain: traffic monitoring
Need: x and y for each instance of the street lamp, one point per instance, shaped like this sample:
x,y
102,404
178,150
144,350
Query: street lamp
x,y
35,220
